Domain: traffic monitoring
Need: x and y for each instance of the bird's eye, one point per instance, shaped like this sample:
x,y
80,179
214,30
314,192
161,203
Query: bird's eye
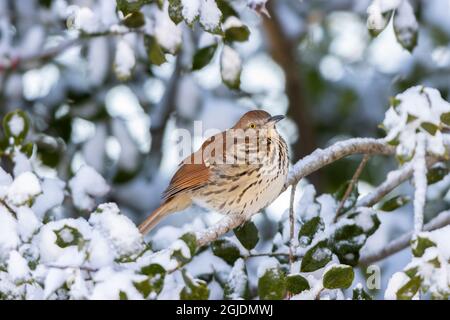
x,y
252,125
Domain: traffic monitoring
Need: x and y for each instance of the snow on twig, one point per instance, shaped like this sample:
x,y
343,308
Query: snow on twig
x,y
403,241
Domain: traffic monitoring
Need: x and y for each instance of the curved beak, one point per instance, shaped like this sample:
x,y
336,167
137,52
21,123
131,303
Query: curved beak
x,y
275,119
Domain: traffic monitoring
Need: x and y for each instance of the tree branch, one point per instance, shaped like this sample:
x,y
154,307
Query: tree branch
x,y
320,158
394,179
351,185
403,241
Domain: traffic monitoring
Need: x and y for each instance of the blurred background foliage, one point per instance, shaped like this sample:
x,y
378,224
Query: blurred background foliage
x,y
314,61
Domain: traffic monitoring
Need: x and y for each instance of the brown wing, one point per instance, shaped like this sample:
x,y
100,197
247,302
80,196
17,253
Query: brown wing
x,y
191,174
188,177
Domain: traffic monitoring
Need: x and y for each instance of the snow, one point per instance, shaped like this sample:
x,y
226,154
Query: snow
x,y
267,264
237,280
167,33
24,188
121,233
405,22
230,65
190,10
52,196
232,22
210,15
27,223
85,19
420,182
124,60
17,266
426,106
375,18
111,283
85,185
16,125
397,280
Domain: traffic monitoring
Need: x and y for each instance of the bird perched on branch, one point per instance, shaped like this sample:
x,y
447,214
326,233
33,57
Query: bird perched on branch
x,y
236,172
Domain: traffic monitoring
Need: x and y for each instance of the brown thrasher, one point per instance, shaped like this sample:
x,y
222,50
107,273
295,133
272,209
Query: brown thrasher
x,y
238,171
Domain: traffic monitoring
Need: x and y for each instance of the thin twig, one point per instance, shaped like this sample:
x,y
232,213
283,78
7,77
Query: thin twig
x,y
393,180
11,210
352,184
291,225
442,220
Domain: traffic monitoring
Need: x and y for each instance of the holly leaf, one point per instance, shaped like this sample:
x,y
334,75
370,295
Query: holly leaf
x,y
338,277
247,235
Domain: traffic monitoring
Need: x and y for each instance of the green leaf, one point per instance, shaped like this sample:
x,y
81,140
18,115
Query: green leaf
x,y
226,9
272,285
129,6
69,236
16,125
351,200
445,118
225,249
309,229
123,295
360,294
175,9
155,280
409,290
316,257
394,102
191,241
154,51
394,203
420,244
431,128
348,239
203,56
437,173
247,235
27,149
134,20
410,118
338,277
239,34
195,289
295,284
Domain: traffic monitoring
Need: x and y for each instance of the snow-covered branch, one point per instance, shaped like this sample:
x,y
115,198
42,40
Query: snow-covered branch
x,y
320,158
403,241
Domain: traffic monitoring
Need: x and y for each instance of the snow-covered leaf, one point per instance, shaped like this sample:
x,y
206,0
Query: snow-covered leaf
x,y
394,203
226,250
406,27
230,67
272,284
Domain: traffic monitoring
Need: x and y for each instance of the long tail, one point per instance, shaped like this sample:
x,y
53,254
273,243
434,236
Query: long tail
x,y
154,218
173,205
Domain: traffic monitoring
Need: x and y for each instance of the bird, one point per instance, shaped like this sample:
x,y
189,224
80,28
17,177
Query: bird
x,y
239,171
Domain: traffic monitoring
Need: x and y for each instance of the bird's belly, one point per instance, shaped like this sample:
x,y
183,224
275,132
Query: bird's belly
x,y
242,197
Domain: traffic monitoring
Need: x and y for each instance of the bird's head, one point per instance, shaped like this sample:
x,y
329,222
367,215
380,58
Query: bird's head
x,y
257,121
